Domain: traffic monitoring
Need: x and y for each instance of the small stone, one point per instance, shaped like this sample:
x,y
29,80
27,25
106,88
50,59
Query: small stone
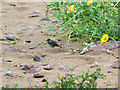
x,y
48,67
85,50
108,51
44,80
6,43
9,73
110,71
44,64
24,64
37,58
8,60
12,4
37,12
94,65
27,67
12,37
45,19
32,70
43,56
23,51
54,21
32,16
114,45
3,39
63,67
116,65
33,47
112,5
96,48
28,41
38,75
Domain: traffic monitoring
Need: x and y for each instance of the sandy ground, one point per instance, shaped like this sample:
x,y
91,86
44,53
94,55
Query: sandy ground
x,y
15,18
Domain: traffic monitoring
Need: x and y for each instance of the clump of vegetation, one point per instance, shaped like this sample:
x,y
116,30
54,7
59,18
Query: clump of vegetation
x,y
85,80
85,21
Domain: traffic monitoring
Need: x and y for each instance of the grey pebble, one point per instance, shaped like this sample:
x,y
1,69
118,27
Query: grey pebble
x,y
12,37
23,51
32,70
110,71
9,73
29,28
24,64
33,47
3,39
63,67
44,64
6,43
7,60
37,58
45,19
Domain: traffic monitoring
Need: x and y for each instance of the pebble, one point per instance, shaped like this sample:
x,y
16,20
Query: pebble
x,y
44,80
32,16
38,75
23,51
32,70
28,41
45,19
108,51
44,64
110,71
12,37
3,39
27,67
6,43
9,73
94,65
115,65
29,28
114,45
12,4
63,67
48,67
37,12
8,60
85,50
37,58
24,64
33,47
54,21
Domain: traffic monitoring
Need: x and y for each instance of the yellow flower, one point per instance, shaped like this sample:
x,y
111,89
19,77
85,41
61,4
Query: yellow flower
x,y
71,8
89,2
104,38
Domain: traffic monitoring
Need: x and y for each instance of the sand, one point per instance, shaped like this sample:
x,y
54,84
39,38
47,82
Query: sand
x,y
16,18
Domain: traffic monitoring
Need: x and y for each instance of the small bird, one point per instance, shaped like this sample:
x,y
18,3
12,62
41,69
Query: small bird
x,y
52,43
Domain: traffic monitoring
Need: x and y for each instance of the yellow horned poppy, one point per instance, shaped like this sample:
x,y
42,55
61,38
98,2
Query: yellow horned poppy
x,y
89,3
71,8
104,38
